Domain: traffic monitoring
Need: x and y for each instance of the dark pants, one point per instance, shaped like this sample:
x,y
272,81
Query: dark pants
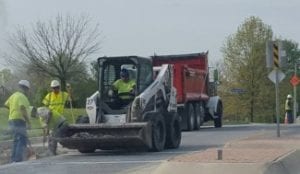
x,y
290,117
59,132
18,129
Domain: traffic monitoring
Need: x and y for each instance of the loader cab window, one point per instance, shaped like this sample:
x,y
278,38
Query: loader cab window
x,y
146,76
113,86
109,76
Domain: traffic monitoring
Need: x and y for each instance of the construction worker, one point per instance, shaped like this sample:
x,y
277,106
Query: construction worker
x,y
53,123
56,99
124,87
288,109
18,119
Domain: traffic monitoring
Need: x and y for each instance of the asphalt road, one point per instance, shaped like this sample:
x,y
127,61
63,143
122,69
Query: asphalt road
x,y
112,162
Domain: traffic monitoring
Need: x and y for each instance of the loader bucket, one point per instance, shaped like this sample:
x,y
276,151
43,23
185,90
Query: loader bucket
x,y
107,137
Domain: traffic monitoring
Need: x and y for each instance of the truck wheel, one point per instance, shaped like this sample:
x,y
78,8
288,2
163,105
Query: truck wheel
x,y
158,133
218,120
190,117
173,138
197,116
202,113
86,150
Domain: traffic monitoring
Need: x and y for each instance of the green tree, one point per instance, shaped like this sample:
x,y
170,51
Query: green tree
x,y
57,48
244,61
293,57
5,84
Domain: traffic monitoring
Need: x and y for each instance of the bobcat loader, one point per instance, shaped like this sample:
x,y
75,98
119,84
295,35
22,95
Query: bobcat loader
x,y
148,120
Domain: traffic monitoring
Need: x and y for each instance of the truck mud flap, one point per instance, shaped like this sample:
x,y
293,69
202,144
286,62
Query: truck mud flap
x,y
107,137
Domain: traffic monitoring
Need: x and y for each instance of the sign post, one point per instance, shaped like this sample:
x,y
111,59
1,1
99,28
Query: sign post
x,y
275,60
295,81
277,103
276,65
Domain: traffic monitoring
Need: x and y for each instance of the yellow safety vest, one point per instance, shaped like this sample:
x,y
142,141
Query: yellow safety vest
x,y
56,102
14,102
124,87
288,105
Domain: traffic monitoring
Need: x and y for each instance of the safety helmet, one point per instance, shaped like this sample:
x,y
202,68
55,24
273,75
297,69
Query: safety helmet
x,y
124,73
54,83
24,83
43,112
289,96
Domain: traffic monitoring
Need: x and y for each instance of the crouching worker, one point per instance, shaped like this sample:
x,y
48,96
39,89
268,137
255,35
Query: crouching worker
x,y
55,124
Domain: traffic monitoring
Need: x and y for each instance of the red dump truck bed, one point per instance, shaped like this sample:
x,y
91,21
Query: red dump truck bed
x,y
190,75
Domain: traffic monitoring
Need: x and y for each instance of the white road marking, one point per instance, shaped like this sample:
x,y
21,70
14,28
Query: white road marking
x,y
93,162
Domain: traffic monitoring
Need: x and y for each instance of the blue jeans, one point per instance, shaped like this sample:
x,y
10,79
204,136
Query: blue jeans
x,y
18,129
290,116
59,132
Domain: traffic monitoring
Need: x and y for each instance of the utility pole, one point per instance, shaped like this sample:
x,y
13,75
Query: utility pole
x,y
295,96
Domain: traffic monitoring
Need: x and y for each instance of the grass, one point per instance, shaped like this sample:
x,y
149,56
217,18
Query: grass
x,y
35,124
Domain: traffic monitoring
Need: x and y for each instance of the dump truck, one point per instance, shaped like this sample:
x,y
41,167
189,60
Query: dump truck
x,y
197,100
146,119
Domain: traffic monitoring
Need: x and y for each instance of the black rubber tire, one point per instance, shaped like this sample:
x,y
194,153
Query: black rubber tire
x,y
218,120
158,133
86,150
197,116
202,113
173,138
190,117
82,119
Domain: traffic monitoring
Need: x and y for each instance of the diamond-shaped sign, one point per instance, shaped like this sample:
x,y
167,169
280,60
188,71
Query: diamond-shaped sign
x,y
272,76
294,80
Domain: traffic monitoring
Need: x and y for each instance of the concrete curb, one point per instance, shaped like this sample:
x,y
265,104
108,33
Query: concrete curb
x,y
289,164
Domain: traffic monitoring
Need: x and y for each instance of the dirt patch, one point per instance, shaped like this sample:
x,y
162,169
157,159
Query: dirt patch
x,y
29,154
4,156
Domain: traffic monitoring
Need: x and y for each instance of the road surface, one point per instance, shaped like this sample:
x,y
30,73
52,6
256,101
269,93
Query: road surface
x,y
112,162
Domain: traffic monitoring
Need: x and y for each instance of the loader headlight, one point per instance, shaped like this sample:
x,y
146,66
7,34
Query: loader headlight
x,y
135,109
138,106
142,103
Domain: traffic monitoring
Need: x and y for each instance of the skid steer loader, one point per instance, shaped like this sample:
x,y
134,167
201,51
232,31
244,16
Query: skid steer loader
x,y
147,120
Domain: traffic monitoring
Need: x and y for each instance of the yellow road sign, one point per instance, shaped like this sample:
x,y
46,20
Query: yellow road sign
x,y
275,55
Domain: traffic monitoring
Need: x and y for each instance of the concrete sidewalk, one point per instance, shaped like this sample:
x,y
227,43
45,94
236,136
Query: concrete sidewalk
x,y
260,154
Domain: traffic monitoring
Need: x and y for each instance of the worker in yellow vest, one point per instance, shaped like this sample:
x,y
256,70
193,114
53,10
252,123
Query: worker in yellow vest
x,y
56,99
124,88
55,124
18,119
289,109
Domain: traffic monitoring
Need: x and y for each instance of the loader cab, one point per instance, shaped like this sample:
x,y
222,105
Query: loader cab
x,y
140,73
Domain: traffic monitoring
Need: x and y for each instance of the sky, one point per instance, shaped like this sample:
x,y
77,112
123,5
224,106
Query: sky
x,y
147,27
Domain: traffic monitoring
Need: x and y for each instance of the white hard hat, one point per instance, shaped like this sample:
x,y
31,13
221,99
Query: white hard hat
x,y
54,83
24,83
43,112
289,96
